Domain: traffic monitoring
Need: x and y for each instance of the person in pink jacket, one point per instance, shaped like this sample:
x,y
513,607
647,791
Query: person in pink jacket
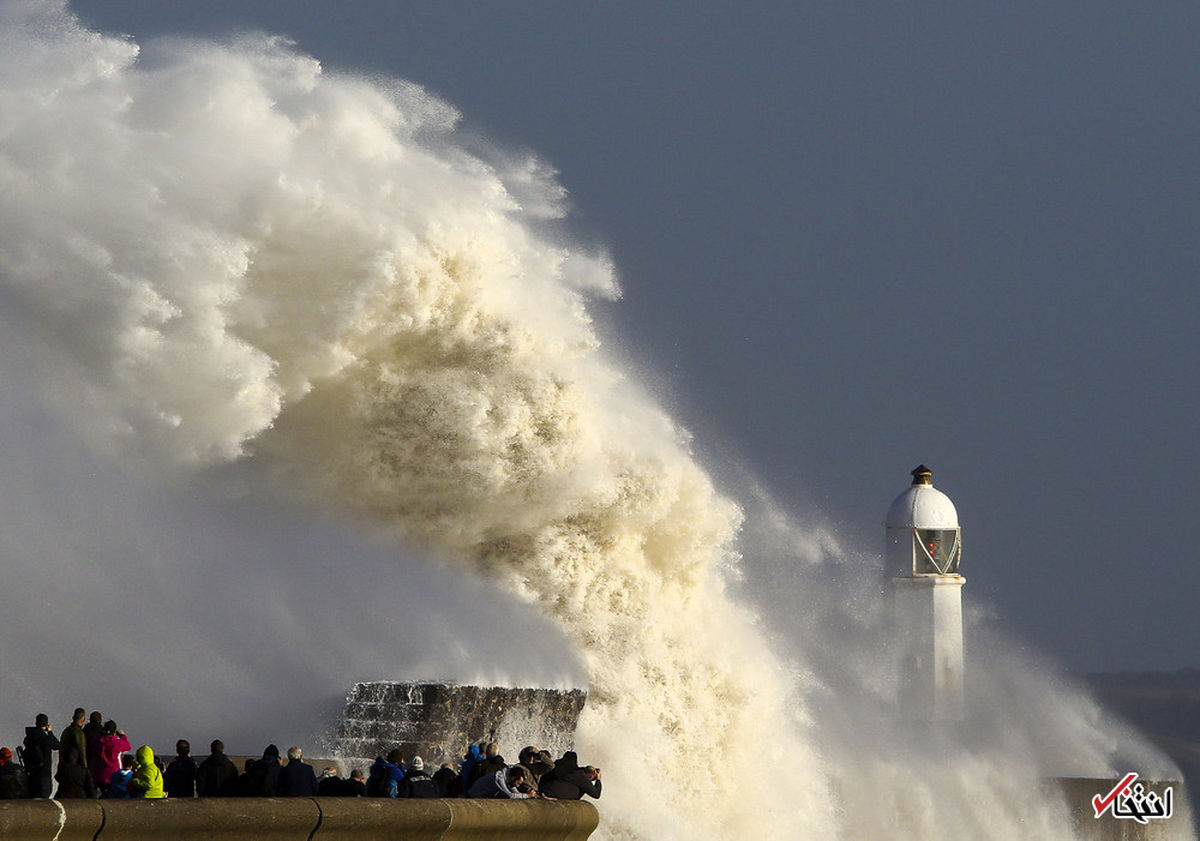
x,y
112,744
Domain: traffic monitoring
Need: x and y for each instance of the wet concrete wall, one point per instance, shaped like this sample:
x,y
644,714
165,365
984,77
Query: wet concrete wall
x,y
295,819
438,720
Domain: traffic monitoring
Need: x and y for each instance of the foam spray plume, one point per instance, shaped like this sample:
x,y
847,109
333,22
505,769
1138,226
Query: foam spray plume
x,y
231,265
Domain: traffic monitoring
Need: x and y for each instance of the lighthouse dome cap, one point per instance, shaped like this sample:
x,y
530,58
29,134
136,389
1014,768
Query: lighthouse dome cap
x,y
922,506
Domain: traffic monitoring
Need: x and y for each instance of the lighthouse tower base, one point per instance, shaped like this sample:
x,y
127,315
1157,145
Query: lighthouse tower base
x,y
928,617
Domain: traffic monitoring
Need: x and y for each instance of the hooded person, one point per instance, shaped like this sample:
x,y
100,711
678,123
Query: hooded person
x,y
467,772
147,780
262,778
567,781
74,779
14,785
386,775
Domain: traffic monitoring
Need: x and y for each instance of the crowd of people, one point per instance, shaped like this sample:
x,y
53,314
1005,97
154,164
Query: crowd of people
x,y
94,760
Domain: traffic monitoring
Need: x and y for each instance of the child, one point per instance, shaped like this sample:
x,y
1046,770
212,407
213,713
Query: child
x,y
118,783
147,781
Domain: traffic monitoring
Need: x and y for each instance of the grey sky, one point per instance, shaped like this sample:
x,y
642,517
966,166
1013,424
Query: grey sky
x,y
857,236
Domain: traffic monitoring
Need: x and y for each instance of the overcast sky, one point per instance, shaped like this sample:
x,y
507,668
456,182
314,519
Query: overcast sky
x,y
857,236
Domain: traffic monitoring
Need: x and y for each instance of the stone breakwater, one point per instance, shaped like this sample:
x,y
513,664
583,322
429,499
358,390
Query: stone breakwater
x,y
436,721
295,819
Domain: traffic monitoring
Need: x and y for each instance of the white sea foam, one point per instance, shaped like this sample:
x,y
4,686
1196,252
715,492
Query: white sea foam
x,y
229,262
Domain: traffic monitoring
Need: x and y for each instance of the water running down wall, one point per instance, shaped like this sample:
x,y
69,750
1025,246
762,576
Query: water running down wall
x,y
436,721
232,270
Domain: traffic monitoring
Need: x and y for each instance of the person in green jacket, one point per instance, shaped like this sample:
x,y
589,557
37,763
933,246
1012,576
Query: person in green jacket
x,y
147,780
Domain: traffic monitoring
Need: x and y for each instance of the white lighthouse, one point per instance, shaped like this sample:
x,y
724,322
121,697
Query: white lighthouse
x,y
924,544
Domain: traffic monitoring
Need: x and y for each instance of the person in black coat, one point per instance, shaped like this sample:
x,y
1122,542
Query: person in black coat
x,y
179,779
216,776
297,778
262,775
417,783
567,781
448,781
356,785
74,779
329,784
40,744
92,731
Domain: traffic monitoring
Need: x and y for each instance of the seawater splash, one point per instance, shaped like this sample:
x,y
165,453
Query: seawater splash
x,y
231,262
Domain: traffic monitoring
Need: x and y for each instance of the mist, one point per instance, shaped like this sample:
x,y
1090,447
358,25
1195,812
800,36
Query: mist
x,y
301,389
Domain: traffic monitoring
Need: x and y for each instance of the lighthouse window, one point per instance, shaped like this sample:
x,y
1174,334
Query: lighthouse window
x,y
938,551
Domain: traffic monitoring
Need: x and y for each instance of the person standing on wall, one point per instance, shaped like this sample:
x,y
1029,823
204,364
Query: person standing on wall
x,y
73,736
40,744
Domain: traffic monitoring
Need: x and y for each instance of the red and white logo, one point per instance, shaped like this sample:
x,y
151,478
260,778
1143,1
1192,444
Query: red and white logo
x,y
1131,800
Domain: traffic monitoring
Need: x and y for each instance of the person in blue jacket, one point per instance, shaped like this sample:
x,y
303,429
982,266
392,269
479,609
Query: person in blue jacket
x,y
467,773
386,775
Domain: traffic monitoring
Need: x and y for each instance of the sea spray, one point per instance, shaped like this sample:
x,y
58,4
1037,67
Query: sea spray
x,y
231,262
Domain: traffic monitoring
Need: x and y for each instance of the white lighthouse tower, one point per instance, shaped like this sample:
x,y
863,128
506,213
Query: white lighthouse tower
x,y
923,549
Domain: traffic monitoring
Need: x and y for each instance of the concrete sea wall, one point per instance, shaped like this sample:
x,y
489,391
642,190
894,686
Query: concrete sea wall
x,y
296,819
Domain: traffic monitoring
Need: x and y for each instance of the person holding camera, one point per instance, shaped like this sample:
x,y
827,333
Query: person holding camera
x,y
567,781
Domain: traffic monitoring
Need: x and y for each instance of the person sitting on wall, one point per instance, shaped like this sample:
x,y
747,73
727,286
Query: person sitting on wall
x,y
74,779
147,780
567,781
417,783
179,780
216,776
14,784
118,783
505,783
297,778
